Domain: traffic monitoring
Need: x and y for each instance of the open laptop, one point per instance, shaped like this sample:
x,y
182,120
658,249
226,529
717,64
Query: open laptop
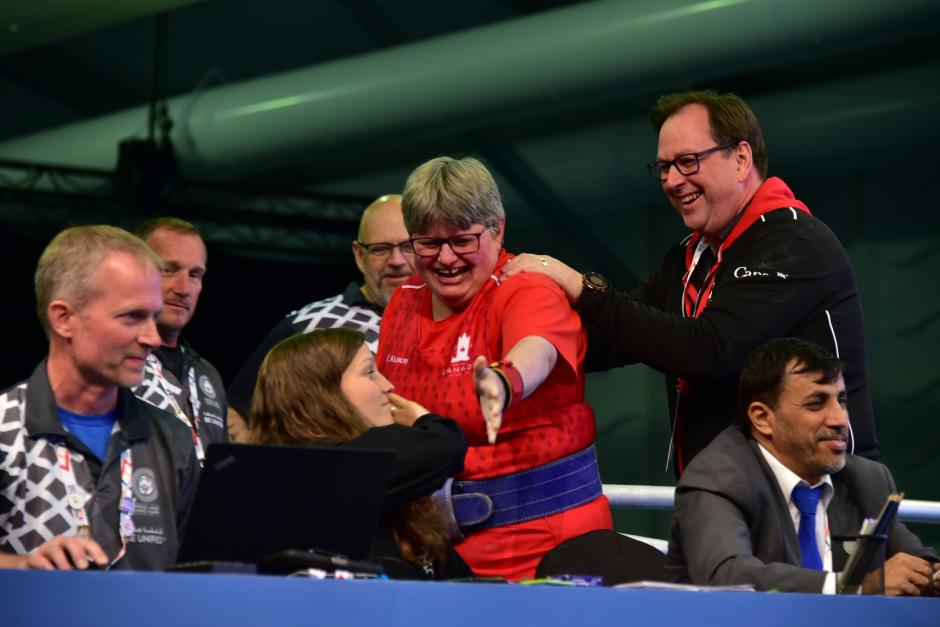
x,y
253,501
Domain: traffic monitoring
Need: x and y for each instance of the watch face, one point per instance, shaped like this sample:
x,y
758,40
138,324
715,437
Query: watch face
x,y
595,282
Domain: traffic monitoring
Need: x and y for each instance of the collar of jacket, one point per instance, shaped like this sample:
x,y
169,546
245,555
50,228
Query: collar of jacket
x,y
42,414
772,194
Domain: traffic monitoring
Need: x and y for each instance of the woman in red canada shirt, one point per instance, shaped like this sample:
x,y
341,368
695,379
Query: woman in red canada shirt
x,y
530,477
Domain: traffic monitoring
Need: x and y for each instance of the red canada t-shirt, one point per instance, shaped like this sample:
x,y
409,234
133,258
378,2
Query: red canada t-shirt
x,y
431,362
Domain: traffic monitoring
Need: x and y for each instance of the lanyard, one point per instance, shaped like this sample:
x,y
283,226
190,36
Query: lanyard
x,y
691,307
772,194
688,308
78,498
194,402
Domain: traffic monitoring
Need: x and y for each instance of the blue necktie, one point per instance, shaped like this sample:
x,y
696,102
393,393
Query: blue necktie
x,y
806,499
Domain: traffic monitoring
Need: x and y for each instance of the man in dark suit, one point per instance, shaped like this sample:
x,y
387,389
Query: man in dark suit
x,y
738,506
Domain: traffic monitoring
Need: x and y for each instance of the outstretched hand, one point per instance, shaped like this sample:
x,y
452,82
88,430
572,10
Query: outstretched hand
x,y
567,278
492,395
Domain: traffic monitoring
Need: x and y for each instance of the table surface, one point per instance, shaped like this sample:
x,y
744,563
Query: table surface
x,y
144,599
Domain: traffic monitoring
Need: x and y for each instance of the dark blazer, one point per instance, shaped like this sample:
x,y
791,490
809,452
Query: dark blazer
x,y
732,524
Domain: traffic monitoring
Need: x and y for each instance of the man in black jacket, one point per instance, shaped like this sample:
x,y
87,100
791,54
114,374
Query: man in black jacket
x,y
740,517
757,265
177,379
89,473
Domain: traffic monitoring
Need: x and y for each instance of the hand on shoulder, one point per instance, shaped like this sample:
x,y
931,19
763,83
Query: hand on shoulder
x,y
567,278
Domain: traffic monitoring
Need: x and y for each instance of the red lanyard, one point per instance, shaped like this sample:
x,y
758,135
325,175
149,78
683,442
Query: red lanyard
x,y
693,303
154,364
694,300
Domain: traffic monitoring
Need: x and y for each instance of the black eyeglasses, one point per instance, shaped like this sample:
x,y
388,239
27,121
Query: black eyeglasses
x,y
462,244
384,249
685,164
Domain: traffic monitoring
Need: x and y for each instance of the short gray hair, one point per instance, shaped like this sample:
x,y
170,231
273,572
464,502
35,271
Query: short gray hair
x,y
71,259
451,192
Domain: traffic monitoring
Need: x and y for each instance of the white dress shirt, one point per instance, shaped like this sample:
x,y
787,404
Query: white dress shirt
x,y
787,480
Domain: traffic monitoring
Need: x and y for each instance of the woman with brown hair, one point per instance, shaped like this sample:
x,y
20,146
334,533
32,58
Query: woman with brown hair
x,y
323,388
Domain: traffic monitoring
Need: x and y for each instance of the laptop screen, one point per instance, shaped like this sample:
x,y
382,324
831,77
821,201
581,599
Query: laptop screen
x,y
252,501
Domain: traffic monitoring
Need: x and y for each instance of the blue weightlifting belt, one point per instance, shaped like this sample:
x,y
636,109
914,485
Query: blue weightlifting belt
x,y
534,493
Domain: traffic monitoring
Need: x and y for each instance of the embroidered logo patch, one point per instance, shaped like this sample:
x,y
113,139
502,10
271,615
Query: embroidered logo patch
x,y
462,350
206,386
144,485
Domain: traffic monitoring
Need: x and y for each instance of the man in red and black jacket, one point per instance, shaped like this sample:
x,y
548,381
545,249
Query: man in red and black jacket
x,y
757,266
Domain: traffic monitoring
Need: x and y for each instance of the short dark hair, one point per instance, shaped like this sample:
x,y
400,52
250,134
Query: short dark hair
x,y
178,225
730,118
763,373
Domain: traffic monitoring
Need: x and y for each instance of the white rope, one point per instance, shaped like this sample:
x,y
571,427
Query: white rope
x,y
662,497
